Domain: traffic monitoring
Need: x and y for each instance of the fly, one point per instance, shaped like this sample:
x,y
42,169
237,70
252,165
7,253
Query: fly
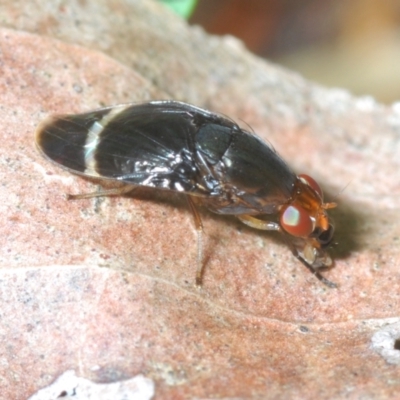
x,y
178,147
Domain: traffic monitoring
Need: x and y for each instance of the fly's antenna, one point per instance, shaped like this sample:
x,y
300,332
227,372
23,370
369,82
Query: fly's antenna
x,y
342,190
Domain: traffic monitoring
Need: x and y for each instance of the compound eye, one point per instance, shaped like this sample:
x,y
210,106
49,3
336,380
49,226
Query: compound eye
x,y
296,221
312,183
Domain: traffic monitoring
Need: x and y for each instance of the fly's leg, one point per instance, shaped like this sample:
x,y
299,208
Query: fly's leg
x,y
259,223
320,277
196,216
312,269
107,192
199,228
273,226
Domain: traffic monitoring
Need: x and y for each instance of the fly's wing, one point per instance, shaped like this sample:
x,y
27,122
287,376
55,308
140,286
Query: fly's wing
x,y
253,178
173,146
148,144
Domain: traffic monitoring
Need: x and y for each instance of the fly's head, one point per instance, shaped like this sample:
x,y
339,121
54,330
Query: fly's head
x,y
304,217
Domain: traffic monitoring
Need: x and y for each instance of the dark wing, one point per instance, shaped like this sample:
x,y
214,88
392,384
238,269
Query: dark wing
x,y
148,144
174,146
251,176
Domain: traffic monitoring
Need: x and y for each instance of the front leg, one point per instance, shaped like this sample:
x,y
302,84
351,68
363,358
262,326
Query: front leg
x,y
259,223
274,226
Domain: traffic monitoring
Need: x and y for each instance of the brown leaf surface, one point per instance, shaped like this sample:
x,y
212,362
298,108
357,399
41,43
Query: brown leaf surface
x,y
261,326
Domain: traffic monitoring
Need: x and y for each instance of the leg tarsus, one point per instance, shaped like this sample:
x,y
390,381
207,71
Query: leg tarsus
x,y
199,269
256,223
102,193
315,272
199,228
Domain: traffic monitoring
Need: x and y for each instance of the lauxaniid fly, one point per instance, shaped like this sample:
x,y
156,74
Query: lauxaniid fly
x,y
175,146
